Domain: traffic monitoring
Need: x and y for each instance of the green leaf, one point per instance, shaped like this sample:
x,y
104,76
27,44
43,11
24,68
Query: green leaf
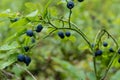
x,y
6,47
116,76
9,61
61,2
32,14
20,23
72,38
31,6
4,15
16,35
45,12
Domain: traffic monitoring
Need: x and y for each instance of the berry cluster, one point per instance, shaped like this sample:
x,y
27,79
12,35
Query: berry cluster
x,y
99,52
23,58
105,44
38,29
30,33
61,34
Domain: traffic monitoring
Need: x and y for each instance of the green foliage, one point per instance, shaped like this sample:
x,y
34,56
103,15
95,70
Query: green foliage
x,y
53,58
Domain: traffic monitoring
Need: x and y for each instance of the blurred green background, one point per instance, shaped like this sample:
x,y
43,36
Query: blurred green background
x,y
53,58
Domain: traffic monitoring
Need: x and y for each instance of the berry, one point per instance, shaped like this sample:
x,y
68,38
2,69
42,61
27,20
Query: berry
x,y
32,40
119,51
39,28
111,50
29,33
26,48
119,60
14,20
98,53
70,4
27,60
61,35
105,44
21,57
80,0
93,45
67,34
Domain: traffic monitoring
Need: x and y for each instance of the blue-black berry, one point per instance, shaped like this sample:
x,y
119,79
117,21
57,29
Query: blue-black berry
x,y
61,35
105,44
27,60
111,50
93,45
26,48
14,20
68,34
21,57
98,53
32,40
118,51
29,33
39,28
119,60
70,4
80,0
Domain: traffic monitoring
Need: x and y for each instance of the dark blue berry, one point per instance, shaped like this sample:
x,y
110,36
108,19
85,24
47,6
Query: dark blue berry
x,y
119,51
61,35
111,50
27,60
98,53
105,44
93,45
32,40
29,33
80,0
26,48
67,34
70,4
39,28
119,60
14,20
21,57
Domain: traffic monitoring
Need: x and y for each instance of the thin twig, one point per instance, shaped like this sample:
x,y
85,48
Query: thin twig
x,y
8,74
50,33
114,56
26,71
70,18
109,66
